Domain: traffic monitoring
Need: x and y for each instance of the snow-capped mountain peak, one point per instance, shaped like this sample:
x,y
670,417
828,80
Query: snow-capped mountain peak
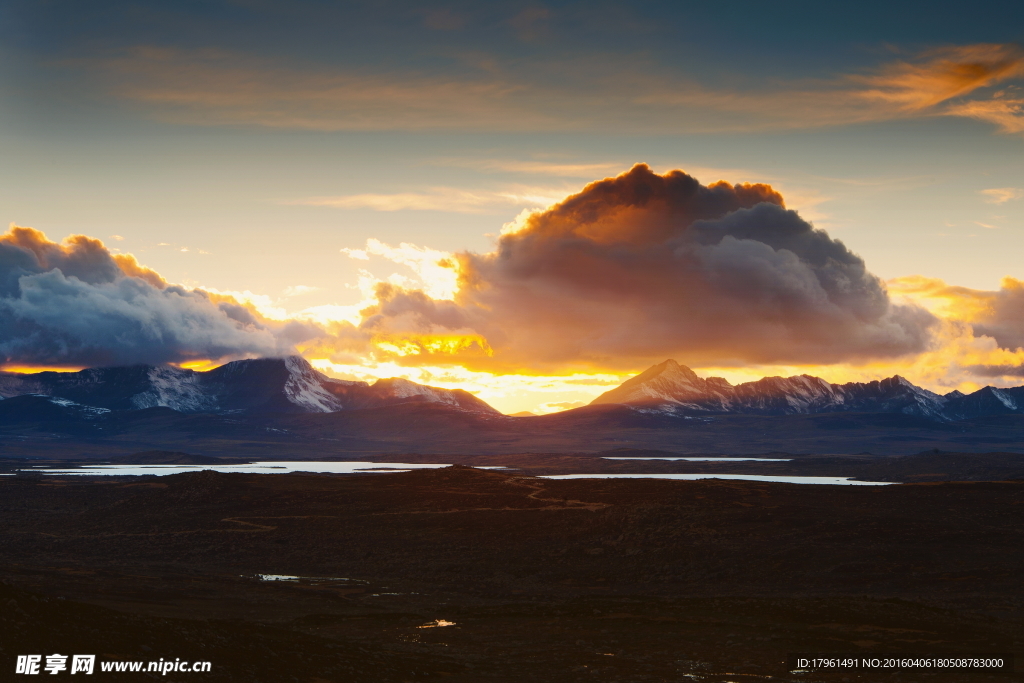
x,y
288,384
305,387
672,388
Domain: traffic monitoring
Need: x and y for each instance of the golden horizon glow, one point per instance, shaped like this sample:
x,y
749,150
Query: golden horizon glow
x,y
509,393
32,369
199,365
431,344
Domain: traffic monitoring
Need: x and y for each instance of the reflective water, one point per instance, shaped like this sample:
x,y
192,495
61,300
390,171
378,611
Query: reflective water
x,y
312,580
438,623
746,477
604,457
365,467
251,468
277,577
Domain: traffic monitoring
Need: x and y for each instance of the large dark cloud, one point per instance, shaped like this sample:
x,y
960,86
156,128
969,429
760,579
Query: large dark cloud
x,y
77,304
643,266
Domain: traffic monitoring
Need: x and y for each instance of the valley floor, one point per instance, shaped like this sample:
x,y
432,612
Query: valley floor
x,y
459,574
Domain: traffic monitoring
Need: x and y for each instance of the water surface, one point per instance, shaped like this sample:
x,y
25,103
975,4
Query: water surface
x,y
747,477
365,467
605,457
275,467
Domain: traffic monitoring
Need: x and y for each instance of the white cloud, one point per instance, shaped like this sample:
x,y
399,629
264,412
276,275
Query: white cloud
x,y
298,290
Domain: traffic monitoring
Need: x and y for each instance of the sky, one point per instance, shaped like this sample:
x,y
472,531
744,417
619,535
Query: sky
x,y
531,201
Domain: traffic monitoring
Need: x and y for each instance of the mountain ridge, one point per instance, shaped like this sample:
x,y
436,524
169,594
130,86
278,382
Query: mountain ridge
x,y
291,385
288,384
674,389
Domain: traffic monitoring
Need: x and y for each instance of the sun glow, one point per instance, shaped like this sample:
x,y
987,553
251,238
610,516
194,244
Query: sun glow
x,y
437,271
508,393
424,345
30,369
199,365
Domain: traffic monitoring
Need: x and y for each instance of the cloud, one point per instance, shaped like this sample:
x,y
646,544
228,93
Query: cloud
x,y
983,330
591,93
997,314
640,267
1003,318
439,199
941,75
215,87
438,271
992,371
1006,114
298,290
1001,195
75,303
624,273
552,168
948,81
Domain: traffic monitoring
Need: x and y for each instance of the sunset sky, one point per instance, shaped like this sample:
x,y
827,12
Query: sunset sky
x,y
524,200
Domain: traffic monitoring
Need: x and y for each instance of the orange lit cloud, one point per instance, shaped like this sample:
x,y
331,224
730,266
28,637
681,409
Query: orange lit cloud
x,y
941,75
643,266
1007,114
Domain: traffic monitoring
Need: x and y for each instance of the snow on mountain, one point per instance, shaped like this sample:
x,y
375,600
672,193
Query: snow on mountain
x,y
985,401
288,384
175,388
84,410
668,384
675,389
291,384
305,387
397,389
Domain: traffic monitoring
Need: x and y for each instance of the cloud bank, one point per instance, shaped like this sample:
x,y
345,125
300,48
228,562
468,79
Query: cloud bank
x,y
643,266
76,303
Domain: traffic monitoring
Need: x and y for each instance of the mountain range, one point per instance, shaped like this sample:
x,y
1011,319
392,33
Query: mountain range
x,y
265,385
292,385
675,389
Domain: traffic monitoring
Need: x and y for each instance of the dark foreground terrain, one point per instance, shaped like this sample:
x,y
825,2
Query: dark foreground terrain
x,y
465,575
